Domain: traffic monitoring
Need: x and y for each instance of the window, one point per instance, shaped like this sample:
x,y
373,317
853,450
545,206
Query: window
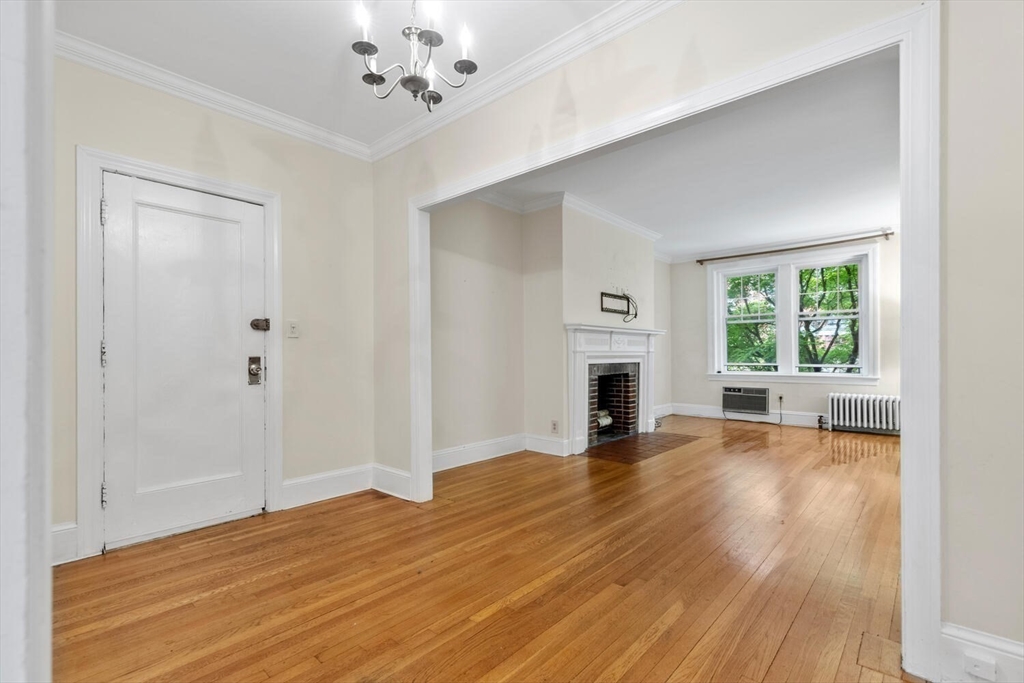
x,y
805,316
828,322
750,323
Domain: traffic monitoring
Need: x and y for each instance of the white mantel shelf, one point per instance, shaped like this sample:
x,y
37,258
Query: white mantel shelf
x,y
590,344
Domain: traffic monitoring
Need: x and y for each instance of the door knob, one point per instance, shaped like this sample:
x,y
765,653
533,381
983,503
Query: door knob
x,y
255,369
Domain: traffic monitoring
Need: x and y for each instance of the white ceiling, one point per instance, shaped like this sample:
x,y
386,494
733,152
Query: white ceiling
x,y
295,56
814,158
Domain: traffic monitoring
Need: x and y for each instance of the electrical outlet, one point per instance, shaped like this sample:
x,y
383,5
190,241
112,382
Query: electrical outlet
x,y
980,667
292,327
554,426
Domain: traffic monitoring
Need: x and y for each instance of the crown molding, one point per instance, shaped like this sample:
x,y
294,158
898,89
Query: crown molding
x,y
613,22
542,203
575,203
98,57
610,24
662,256
499,200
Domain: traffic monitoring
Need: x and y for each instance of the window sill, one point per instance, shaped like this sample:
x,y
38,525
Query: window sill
x,y
802,378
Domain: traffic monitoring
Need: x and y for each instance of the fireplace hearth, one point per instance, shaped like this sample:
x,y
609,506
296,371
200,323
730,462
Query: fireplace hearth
x,y
614,394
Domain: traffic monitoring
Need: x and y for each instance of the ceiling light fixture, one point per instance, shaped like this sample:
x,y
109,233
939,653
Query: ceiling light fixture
x,y
422,74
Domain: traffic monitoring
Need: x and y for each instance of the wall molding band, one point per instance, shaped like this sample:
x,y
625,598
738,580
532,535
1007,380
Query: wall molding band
x,y
610,24
573,202
613,22
457,456
89,54
65,543
791,418
663,410
392,481
960,642
314,488
548,445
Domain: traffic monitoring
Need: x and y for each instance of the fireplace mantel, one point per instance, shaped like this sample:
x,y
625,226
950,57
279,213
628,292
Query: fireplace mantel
x,y
590,344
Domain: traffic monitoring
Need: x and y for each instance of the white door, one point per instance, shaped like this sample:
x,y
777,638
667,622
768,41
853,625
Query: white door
x,y
183,423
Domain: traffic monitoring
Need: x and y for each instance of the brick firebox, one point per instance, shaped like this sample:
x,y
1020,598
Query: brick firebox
x,y
613,387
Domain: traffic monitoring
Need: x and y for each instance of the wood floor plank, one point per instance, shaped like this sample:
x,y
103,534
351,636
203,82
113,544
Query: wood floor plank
x,y
743,552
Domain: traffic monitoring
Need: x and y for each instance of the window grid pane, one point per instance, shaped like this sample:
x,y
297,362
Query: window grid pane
x,y
828,320
750,323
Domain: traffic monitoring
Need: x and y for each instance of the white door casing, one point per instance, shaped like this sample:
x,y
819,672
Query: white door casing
x,y
184,429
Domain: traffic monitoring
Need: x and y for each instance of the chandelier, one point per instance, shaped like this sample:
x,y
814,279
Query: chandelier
x,y
422,74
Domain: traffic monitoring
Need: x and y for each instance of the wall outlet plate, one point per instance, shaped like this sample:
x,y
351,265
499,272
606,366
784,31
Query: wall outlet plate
x,y
554,426
980,667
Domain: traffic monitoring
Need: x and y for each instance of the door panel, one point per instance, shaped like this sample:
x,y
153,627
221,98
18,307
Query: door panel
x,y
183,276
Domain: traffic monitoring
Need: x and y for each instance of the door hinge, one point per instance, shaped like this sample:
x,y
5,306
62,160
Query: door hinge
x,y
103,495
103,353
103,211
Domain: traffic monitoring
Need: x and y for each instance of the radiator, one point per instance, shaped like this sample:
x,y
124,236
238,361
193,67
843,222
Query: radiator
x,y
864,413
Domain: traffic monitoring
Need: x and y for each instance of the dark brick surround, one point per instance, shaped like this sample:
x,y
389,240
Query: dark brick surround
x,y
614,387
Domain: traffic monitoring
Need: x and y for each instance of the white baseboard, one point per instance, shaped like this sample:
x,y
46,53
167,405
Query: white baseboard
x,y
317,487
663,410
789,417
458,456
547,445
64,543
1004,655
392,481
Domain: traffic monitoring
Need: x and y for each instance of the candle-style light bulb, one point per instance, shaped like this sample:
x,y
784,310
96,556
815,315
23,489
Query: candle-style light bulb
x,y
363,19
432,8
430,73
466,39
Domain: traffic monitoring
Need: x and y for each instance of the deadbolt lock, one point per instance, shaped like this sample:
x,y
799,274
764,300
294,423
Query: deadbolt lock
x,y
260,324
255,369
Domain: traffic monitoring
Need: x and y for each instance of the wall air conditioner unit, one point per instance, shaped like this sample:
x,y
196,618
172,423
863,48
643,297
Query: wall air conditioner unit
x,y
745,400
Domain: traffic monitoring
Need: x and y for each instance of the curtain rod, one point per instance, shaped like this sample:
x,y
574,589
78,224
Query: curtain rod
x,y
885,232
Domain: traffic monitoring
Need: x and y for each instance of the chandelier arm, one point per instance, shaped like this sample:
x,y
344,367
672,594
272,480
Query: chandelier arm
x,y
390,90
366,61
440,75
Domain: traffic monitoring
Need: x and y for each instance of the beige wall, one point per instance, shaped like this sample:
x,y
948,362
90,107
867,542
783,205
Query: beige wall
x,y
692,45
600,257
476,304
327,253
983,343
544,331
663,344
690,383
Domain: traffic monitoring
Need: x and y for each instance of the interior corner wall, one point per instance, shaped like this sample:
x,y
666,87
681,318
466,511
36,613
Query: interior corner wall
x,y
983,332
600,257
544,340
663,343
327,253
690,383
476,305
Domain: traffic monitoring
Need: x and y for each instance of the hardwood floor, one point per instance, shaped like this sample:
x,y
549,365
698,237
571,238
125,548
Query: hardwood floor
x,y
754,553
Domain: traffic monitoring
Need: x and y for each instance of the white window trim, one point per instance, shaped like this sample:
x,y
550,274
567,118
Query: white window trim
x,y
786,266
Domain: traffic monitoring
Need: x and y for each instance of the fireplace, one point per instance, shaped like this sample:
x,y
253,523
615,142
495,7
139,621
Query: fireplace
x,y
594,352
614,397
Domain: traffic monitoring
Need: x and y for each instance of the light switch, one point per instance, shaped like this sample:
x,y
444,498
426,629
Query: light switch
x,y
293,328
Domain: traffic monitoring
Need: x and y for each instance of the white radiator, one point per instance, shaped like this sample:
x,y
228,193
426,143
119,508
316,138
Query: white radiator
x,y
864,413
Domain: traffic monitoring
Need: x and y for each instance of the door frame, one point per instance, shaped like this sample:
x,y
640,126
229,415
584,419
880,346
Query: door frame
x,y
90,165
916,33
